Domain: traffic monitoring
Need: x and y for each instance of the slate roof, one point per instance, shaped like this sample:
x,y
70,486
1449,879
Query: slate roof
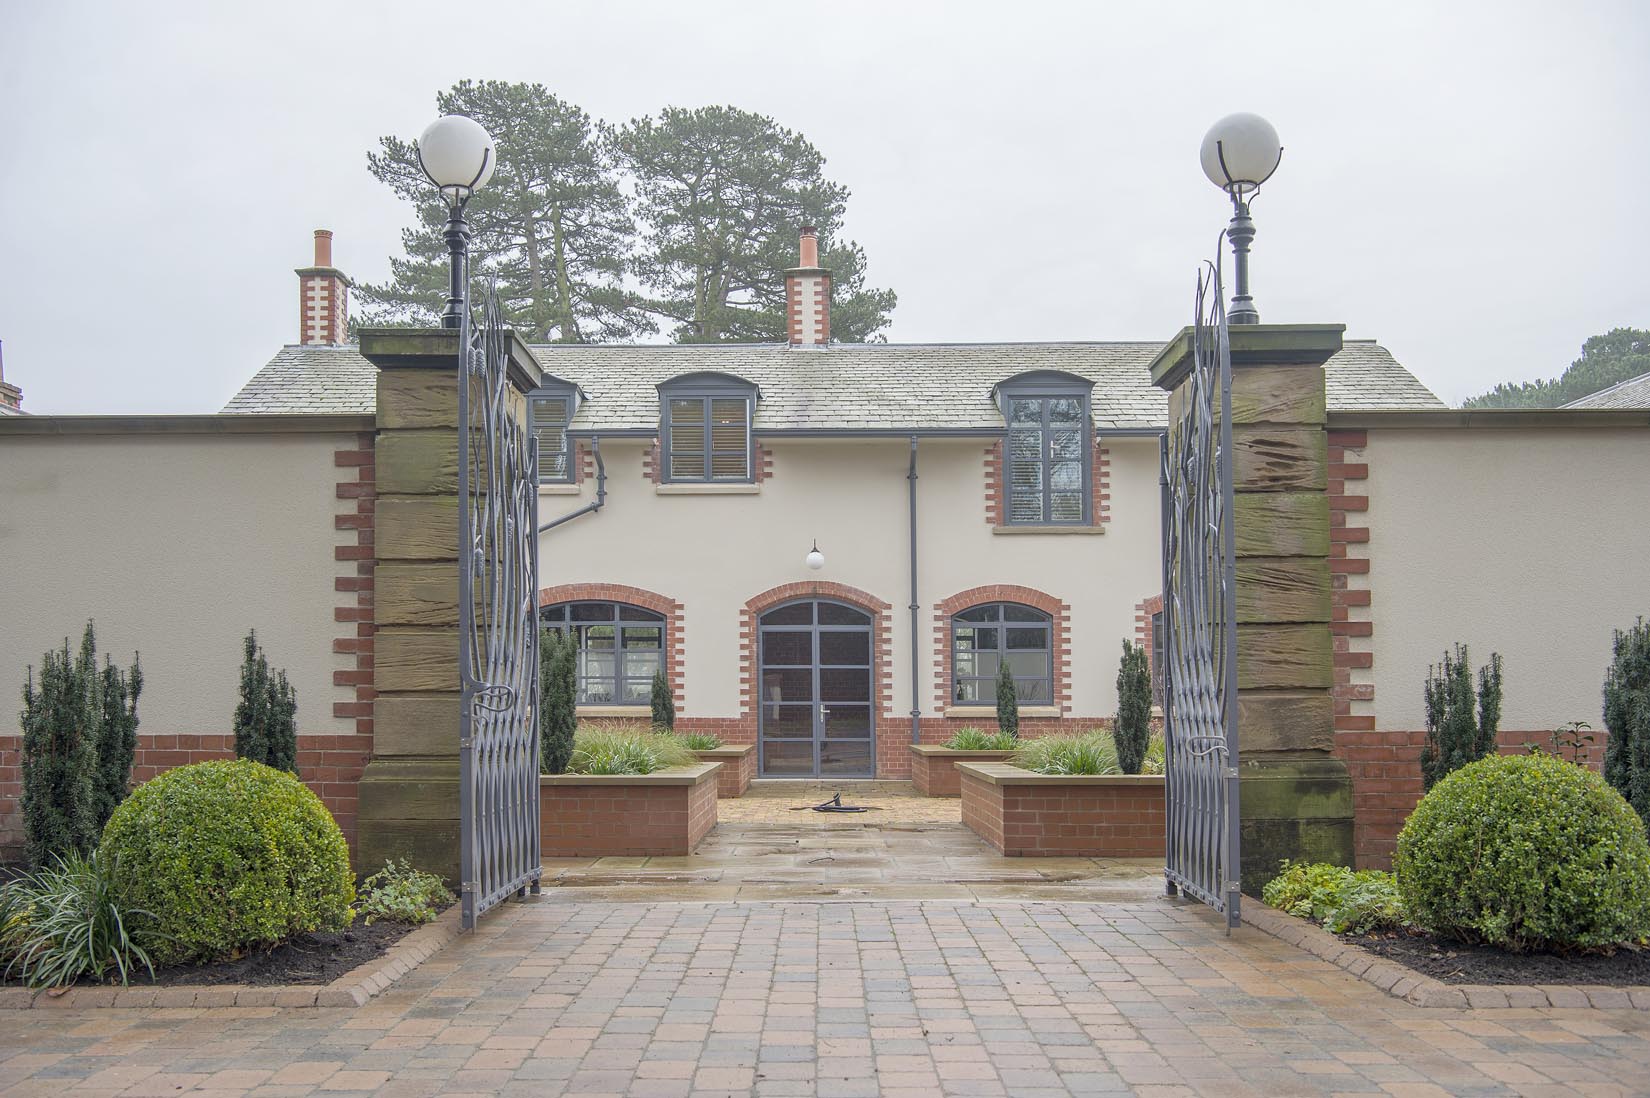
x,y
890,386
1632,393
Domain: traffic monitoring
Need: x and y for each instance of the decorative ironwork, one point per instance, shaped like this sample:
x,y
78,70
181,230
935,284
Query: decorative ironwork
x,y
498,633
1200,622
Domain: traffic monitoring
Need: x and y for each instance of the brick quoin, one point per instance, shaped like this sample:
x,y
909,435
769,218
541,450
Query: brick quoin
x,y
675,635
353,584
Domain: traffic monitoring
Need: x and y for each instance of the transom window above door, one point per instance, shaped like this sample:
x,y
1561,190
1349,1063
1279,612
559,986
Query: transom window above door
x,y
621,648
984,638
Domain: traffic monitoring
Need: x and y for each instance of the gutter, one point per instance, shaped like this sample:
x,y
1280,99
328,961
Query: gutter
x,y
916,675
601,489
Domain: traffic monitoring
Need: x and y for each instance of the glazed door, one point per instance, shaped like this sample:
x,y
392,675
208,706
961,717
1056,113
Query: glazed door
x,y
814,676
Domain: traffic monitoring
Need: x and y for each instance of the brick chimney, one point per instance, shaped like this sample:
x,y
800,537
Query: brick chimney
x,y
323,297
808,296
11,397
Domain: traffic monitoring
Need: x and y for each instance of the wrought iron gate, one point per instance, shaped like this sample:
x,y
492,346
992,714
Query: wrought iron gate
x,y
498,637
1200,687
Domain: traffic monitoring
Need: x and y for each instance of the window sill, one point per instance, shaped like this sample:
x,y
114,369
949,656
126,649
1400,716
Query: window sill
x,y
560,489
708,489
978,711
1031,529
614,710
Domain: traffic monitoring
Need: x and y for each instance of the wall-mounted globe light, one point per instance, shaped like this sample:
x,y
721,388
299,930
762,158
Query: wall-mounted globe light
x,y
816,559
1239,153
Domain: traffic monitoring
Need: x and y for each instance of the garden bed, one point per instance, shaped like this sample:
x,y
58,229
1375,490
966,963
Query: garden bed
x,y
661,814
1025,814
1457,963
738,767
934,767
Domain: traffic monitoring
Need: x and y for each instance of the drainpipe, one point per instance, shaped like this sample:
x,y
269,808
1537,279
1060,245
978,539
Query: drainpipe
x,y
601,489
916,677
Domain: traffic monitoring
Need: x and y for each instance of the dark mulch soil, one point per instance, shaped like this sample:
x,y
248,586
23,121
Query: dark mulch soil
x,y
1454,963
308,959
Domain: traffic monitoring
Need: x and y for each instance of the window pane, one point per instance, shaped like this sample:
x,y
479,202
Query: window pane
x,y
592,611
1066,445
845,648
1065,410
1027,638
642,636
1025,411
979,613
787,649
1026,507
597,665
730,466
1025,445
974,691
691,410
1032,691
797,613
1013,612
788,722
637,613
845,756
554,613
1028,665
1066,507
845,685
831,613
851,721
597,638
796,685
984,665
596,692
642,666
1066,476
782,758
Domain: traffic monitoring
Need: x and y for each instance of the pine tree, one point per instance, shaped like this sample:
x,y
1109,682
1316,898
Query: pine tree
x,y
664,706
1008,702
1627,718
1132,731
79,739
266,718
1456,735
558,699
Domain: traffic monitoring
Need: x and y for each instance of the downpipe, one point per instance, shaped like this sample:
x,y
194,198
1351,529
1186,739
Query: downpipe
x,y
601,489
916,674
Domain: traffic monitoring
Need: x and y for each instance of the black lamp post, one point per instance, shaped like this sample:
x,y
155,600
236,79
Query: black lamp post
x,y
457,155
1240,152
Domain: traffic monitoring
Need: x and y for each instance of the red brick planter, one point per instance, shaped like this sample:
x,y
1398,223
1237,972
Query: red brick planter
x,y
738,767
1052,815
603,815
934,768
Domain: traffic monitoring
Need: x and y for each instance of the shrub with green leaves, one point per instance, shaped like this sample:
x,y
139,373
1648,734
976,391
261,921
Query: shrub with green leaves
x,y
1457,732
626,749
228,857
1008,703
266,717
1371,903
558,699
662,703
699,741
1526,852
1345,901
978,739
66,921
79,739
1081,753
1627,717
398,893
1133,728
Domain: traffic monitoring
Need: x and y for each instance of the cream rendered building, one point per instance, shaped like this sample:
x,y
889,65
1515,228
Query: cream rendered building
x,y
972,503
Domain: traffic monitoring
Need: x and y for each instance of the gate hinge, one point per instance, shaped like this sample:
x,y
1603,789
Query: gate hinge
x,y
1229,772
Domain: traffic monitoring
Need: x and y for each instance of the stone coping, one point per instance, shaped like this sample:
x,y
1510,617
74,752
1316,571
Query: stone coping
x,y
1003,774
726,751
676,775
354,988
935,749
1405,983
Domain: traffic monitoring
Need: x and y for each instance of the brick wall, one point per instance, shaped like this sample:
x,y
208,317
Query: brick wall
x,y
625,819
937,775
1123,820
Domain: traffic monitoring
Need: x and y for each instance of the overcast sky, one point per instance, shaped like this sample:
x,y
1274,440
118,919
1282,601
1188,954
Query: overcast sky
x,y
1465,182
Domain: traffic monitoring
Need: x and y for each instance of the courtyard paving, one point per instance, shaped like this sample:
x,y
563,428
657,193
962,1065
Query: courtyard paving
x,y
615,983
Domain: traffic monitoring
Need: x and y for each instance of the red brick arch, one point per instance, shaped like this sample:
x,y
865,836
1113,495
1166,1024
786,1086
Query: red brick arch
x,y
1059,634
675,643
892,757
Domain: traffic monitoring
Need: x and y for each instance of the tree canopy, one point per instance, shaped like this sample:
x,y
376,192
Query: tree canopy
x,y
720,195
552,229
1606,360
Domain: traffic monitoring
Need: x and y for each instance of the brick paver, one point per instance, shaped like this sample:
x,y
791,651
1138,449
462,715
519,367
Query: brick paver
x,y
843,999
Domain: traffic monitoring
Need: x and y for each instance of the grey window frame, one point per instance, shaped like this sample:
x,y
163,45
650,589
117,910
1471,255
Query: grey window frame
x,y
1044,622
619,624
1046,386
706,388
555,391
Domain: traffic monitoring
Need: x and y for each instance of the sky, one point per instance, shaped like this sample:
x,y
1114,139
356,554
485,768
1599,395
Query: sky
x,y
1464,182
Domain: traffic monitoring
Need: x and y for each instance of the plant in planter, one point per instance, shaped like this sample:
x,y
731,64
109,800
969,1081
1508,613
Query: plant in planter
x,y
1093,752
626,750
978,739
1008,703
558,699
699,741
1627,717
1132,730
1455,734
1526,852
664,706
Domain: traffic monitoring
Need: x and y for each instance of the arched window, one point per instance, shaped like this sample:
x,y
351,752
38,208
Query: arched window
x,y
621,648
984,637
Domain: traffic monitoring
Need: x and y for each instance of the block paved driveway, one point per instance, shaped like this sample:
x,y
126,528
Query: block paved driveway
x,y
842,998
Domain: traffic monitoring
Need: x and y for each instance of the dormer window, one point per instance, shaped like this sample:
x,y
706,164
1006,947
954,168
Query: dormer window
x,y
706,429
1049,451
549,411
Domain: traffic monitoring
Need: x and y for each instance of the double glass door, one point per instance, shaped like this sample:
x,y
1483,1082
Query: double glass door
x,y
814,681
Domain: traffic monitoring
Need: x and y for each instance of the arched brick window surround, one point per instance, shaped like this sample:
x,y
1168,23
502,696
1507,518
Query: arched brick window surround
x,y
635,596
1059,635
820,589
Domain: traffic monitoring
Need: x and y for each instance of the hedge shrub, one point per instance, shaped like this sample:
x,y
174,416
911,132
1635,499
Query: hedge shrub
x,y
1526,852
227,857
